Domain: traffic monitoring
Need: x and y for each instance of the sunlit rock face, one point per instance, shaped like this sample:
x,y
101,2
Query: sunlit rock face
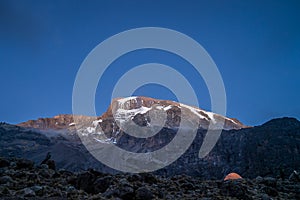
x,y
136,108
125,115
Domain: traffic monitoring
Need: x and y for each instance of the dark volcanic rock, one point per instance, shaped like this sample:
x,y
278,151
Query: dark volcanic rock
x,y
101,184
143,193
24,164
235,188
4,162
95,185
5,179
85,181
294,177
51,164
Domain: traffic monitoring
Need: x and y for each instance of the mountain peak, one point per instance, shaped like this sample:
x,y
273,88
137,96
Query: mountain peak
x,y
131,108
138,109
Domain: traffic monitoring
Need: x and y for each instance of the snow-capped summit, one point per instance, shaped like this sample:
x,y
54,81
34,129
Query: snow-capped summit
x,y
124,114
138,110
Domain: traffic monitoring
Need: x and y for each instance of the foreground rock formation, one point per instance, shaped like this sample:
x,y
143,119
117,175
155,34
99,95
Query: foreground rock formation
x,y
22,179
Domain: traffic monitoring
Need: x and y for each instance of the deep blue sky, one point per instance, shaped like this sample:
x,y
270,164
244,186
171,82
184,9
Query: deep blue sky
x,y
255,44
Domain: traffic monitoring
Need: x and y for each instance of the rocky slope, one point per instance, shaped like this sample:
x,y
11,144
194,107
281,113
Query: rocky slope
x,y
58,122
22,179
271,149
66,148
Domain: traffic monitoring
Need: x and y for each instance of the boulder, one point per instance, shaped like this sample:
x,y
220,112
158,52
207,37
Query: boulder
x,y
143,193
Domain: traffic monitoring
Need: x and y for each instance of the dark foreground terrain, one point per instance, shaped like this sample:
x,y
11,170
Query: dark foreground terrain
x,y
23,179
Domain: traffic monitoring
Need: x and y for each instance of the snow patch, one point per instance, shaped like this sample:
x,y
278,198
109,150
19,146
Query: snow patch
x,y
96,122
123,103
211,116
194,110
107,141
165,108
90,129
231,120
122,114
101,141
159,107
168,107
